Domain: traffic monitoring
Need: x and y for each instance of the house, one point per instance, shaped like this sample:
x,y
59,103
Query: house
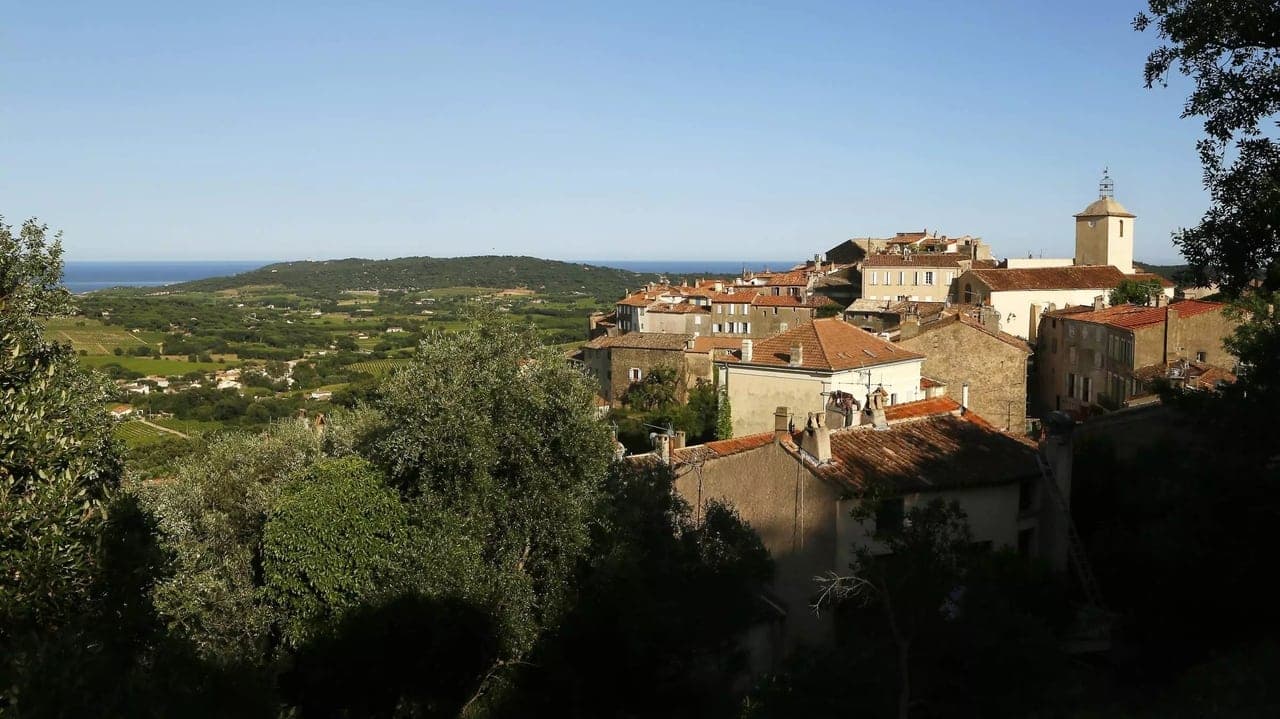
x,y
963,352
887,315
394,330
1095,357
321,395
919,277
812,366
122,411
619,361
796,489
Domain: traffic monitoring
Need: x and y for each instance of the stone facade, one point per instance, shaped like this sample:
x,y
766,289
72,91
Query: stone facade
x,y
957,351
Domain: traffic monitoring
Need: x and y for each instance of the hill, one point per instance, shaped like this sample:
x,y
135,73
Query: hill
x,y
1173,273
329,278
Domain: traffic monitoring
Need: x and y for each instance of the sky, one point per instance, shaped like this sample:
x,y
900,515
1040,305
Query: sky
x,y
593,130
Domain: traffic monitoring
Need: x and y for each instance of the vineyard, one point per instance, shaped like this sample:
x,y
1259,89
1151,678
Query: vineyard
x,y
378,368
136,434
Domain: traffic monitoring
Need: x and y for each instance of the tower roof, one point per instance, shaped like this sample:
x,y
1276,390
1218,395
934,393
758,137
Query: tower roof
x,y
1105,207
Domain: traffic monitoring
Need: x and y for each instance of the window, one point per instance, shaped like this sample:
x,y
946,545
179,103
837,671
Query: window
x,y
893,398
902,278
775,310
950,276
890,515
1087,389
1200,356
746,328
928,278
1071,384
744,310
1071,332
1122,228
634,374
717,327
697,319
733,309
875,277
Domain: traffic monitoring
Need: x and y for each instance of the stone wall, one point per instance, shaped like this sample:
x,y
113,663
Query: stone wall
x,y
995,370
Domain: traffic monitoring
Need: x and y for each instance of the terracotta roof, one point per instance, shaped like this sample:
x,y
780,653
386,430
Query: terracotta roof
x,y
908,237
926,383
941,259
1084,277
788,279
677,308
1199,375
636,300
641,340
920,408
765,299
830,345
1134,316
720,448
863,304
1105,207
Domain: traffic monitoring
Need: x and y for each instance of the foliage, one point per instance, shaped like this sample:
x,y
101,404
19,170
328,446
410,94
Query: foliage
x,y
657,390
1134,292
687,590
58,463
724,416
518,455
1230,51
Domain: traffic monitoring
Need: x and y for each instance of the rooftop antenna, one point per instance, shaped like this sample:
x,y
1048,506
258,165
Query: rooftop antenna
x,y
1106,188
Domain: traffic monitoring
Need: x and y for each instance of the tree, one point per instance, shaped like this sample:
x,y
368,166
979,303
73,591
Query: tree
x,y
1231,52
494,427
912,580
655,392
58,464
660,593
1134,292
724,416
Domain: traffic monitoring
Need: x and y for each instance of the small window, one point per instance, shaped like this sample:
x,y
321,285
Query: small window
x,y
634,374
733,309
1122,228
890,515
1200,356
902,278
1087,387
1071,384
893,398
928,278
875,278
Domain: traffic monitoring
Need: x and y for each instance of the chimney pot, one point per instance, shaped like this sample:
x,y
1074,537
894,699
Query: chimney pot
x,y
679,441
781,422
797,356
817,438
1097,303
747,350
964,397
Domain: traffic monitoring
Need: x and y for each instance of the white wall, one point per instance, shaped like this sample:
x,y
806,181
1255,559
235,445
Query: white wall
x,y
756,392
1026,263
1018,303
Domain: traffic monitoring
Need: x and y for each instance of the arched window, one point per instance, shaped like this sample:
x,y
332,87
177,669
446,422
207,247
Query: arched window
x,y
1122,228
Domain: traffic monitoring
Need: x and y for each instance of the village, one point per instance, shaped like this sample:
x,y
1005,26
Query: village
x,y
917,363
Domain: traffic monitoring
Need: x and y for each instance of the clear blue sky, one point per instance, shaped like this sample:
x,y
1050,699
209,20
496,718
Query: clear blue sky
x,y
665,130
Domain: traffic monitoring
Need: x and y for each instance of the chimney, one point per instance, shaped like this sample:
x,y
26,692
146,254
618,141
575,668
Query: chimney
x,y
910,325
817,438
964,397
1162,300
875,409
688,344
781,423
661,446
746,350
1056,448
719,286
797,356
1097,303
679,441
1034,329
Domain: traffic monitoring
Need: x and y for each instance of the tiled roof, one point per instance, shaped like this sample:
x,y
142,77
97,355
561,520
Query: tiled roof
x,y
830,345
1151,277
941,259
927,383
636,300
862,304
800,278
1197,374
768,300
1134,316
641,340
907,237
720,448
920,408
677,308
932,452
740,295
1084,277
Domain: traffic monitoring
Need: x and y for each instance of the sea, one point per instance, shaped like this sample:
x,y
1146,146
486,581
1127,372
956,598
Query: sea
x,y
87,276
687,267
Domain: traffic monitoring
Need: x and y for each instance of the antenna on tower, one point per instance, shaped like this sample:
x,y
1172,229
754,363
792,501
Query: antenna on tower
x,y
1106,188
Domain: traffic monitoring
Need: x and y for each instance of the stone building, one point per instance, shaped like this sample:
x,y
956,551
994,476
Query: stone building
x,y
1095,357
805,367
959,351
796,490
921,277
619,361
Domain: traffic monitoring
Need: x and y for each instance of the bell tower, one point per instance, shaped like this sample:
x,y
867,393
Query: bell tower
x,y
1104,230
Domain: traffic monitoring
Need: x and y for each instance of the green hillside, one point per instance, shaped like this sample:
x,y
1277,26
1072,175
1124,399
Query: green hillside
x,y
331,277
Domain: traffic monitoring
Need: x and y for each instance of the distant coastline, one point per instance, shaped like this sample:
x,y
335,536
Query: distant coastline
x,y
87,276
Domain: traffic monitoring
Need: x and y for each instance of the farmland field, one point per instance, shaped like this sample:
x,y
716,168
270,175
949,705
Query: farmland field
x,y
378,368
96,338
136,434
191,427
153,365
